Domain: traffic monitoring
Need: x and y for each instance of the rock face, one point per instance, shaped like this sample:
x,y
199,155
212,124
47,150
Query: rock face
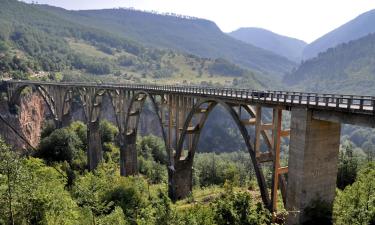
x,y
28,122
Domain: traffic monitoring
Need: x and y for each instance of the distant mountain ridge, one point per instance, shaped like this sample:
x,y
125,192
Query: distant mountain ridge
x,y
35,43
361,26
288,47
348,68
196,36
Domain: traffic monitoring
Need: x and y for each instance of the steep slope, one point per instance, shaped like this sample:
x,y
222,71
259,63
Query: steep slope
x,y
37,44
282,45
354,29
192,35
349,68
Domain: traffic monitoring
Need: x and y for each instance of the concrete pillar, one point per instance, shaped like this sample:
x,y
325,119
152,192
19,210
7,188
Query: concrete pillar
x,y
313,156
94,151
128,156
180,180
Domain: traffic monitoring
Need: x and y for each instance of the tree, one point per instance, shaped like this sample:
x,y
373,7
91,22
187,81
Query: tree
x,y
356,203
347,168
61,145
239,209
33,193
10,176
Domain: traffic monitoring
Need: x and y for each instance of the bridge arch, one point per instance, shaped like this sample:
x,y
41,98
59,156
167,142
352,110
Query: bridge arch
x,y
14,99
128,154
209,105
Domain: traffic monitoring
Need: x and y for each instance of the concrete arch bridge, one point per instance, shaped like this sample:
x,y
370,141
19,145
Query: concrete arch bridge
x,y
182,111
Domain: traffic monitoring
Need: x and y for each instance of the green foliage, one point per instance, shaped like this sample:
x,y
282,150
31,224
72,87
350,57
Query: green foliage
x,y
224,67
197,36
80,129
347,168
215,169
3,46
51,40
356,203
108,131
61,145
152,147
239,209
197,215
152,158
32,193
129,194
115,217
347,68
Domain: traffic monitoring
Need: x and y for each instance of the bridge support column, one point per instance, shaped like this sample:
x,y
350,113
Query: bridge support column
x,y
94,151
180,181
128,156
313,156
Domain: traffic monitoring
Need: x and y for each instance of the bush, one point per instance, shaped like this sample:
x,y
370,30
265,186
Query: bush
x,y
61,145
152,147
108,131
239,209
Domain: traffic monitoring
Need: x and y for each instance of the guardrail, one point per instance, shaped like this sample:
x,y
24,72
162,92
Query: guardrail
x,y
340,101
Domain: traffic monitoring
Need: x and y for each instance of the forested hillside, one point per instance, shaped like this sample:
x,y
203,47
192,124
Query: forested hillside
x,y
37,44
196,36
282,45
348,68
354,29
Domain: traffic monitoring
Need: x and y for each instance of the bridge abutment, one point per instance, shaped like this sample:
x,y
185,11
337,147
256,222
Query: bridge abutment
x,y
180,181
313,156
94,151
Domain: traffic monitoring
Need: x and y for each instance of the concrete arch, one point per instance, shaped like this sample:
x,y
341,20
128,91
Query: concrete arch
x,y
212,103
42,92
76,91
128,166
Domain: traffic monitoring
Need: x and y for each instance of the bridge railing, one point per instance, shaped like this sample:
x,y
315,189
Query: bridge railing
x,y
353,102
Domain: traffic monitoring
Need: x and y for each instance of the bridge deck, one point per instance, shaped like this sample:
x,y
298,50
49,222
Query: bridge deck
x,y
337,103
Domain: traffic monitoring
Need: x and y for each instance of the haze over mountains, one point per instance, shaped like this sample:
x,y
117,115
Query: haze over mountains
x,y
354,29
282,45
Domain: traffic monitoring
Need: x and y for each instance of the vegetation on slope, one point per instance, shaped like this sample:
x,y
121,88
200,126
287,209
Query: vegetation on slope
x,y
192,35
56,188
39,41
348,68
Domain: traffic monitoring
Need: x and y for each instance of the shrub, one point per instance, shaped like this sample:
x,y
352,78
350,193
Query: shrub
x,y
239,209
61,145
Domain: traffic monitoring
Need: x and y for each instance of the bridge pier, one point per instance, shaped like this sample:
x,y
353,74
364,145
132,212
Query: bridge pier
x,y
128,156
180,180
94,151
313,156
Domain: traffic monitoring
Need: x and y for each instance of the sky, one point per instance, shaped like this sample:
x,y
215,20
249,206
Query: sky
x,y
303,19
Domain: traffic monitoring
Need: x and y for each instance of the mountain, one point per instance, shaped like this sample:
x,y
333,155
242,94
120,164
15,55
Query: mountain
x,y
37,44
288,47
192,35
354,29
348,68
